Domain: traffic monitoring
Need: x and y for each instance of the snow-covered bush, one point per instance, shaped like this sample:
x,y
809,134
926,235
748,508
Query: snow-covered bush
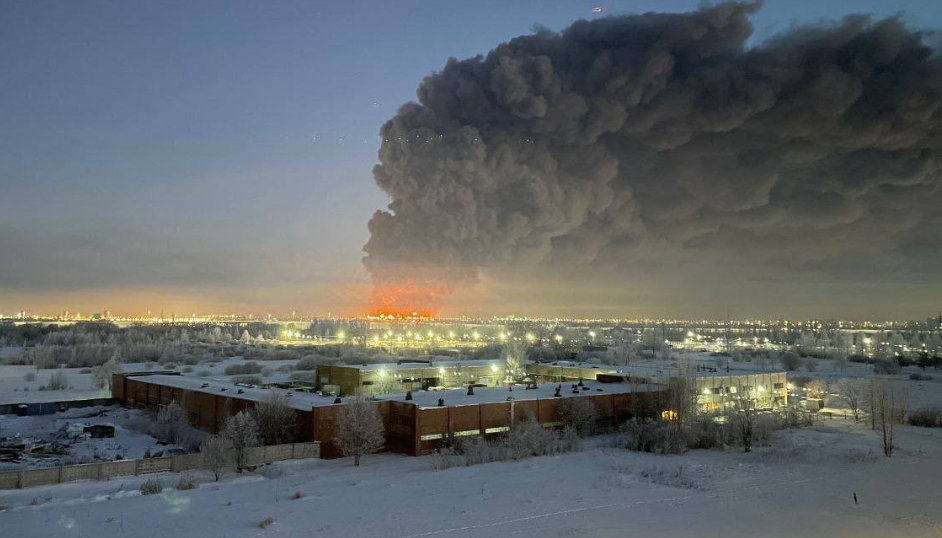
x,y
929,416
57,381
306,363
276,419
661,437
886,367
187,481
247,379
579,415
104,373
30,376
151,486
790,361
173,426
247,368
529,438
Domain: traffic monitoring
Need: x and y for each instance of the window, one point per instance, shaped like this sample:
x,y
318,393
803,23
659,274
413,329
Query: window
x,y
779,386
498,429
431,437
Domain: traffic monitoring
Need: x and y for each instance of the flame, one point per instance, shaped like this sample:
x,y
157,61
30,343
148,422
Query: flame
x,y
406,299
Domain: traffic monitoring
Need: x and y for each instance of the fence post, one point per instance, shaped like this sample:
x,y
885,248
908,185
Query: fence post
x,y
59,478
294,451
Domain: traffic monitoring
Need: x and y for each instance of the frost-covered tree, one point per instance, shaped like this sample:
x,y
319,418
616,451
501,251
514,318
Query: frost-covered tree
x,y
578,415
103,374
241,430
515,355
216,454
276,419
359,427
173,426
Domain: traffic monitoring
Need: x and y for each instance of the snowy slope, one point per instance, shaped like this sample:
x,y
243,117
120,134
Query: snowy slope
x,y
802,487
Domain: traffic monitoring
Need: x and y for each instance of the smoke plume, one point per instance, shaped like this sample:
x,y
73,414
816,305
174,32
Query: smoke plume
x,y
663,138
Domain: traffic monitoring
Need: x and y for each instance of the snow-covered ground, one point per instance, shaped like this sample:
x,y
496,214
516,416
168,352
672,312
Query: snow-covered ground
x,y
42,429
14,388
803,486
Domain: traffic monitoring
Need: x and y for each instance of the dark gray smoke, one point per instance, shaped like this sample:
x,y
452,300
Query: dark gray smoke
x,y
663,137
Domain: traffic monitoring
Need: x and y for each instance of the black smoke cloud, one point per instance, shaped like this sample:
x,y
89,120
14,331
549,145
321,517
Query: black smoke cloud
x,y
662,139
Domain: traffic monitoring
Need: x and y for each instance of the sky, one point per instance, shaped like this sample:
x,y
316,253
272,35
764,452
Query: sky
x,y
217,157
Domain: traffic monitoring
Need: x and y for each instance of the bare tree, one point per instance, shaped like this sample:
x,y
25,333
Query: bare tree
x,y
682,396
241,430
359,427
276,419
578,414
853,393
216,453
741,417
890,407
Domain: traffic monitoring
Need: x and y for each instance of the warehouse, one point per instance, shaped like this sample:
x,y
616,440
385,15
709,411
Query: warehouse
x,y
717,391
409,375
424,375
415,423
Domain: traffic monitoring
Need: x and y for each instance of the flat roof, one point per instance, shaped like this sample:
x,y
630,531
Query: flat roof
x,y
304,401
520,392
422,365
672,371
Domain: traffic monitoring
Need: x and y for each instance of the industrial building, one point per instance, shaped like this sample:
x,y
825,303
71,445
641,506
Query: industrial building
x,y
413,426
717,391
424,375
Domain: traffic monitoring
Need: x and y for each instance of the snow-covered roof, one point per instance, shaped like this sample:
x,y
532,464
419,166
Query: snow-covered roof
x,y
306,400
420,365
501,394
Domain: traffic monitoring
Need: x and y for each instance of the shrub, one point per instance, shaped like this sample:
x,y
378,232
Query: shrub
x,y
247,379
151,486
250,367
929,416
886,367
790,361
297,495
30,376
266,522
706,433
306,363
578,414
203,373
187,481
529,438
187,370
655,436
57,381
921,377
85,371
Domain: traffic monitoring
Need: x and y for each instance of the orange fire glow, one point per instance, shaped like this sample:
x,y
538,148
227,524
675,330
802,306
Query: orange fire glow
x,y
407,299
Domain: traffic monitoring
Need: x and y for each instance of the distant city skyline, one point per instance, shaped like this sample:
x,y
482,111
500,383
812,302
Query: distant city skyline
x,y
217,157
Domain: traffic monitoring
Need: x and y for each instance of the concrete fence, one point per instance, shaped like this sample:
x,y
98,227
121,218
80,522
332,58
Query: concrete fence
x,y
254,457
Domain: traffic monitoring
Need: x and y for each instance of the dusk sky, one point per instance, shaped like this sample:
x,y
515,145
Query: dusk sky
x,y
218,157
